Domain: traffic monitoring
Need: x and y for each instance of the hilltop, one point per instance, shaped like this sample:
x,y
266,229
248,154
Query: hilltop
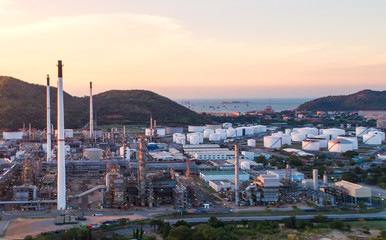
x,y
22,102
363,100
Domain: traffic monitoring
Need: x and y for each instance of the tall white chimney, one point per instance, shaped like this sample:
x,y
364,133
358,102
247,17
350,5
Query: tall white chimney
x,y
49,158
315,179
91,114
325,182
236,175
61,182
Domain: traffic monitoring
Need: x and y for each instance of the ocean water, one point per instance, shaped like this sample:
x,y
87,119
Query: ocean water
x,y
241,105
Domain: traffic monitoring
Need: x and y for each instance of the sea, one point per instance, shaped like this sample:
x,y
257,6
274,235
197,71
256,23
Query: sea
x,y
241,105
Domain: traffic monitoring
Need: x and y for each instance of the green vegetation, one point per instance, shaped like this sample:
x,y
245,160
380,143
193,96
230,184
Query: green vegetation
x,y
366,99
374,176
21,102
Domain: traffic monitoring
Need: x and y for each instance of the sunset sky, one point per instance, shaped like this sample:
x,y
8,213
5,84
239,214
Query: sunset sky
x,y
198,48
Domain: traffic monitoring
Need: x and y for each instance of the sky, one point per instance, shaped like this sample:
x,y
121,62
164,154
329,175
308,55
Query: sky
x,y
198,48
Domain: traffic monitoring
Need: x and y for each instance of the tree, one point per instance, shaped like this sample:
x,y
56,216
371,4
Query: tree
x,y
337,224
181,233
182,223
290,222
216,223
295,209
244,222
320,218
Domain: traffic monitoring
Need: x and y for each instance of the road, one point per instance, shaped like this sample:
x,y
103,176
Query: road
x,y
381,215
375,191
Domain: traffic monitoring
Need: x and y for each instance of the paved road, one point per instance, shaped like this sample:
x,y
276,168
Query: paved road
x,y
381,215
375,191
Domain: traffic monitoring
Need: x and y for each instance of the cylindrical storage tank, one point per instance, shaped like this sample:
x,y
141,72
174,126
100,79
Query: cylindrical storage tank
x,y
334,132
354,141
382,134
213,126
231,132
201,135
322,141
194,139
372,139
297,137
180,138
207,132
172,130
288,131
161,132
360,131
249,131
272,142
176,135
93,153
196,128
310,145
191,134
286,139
222,133
339,145
325,136
262,128
214,137
226,125
251,143
308,130
310,135
12,135
239,131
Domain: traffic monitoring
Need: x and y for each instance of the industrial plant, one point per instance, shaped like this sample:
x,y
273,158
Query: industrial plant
x,y
190,168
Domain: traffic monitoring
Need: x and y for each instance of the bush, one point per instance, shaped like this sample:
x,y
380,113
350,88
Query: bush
x,y
320,218
337,224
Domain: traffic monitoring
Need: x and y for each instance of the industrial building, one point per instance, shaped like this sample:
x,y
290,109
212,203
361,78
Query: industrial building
x,y
224,175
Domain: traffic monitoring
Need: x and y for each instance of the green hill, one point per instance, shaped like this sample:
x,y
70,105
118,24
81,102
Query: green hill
x,y
24,102
363,100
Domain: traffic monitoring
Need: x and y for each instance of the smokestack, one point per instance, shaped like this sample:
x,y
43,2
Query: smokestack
x,y
142,172
61,183
325,178
91,114
315,179
49,158
236,175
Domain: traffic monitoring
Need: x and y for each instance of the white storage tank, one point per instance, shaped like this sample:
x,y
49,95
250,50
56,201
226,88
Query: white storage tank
x,y
310,145
334,132
286,139
382,134
226,125
288,131
272,142
249,131
231,132
181,139
372,139
213,126
93,153
196,128
322,140
161,132
222,133
310,135
360,131
207,132
239,131
194,139
308,130
214,137
354,141
262,128
12,135
339,145
297,137
251,143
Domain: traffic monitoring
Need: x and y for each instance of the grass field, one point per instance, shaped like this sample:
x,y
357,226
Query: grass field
x,y
373,225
